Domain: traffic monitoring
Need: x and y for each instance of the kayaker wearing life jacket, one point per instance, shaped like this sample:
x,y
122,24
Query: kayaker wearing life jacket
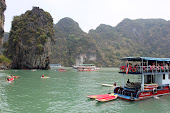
x,y
10,79
42,76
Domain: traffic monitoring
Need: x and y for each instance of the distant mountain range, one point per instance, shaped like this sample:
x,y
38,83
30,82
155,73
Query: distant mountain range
x,y
104,45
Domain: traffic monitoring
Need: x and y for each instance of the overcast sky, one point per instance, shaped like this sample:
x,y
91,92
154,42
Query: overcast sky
x,y
91,13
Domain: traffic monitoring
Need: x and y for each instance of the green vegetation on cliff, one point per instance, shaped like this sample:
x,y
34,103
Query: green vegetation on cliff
x,y
141,37
4,59
72,45
30,39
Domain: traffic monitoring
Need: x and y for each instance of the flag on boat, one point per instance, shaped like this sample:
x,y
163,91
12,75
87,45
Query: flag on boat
x,y
127,67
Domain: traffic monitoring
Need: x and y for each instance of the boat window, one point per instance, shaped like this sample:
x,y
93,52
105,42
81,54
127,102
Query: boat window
x,y
163,76
169,76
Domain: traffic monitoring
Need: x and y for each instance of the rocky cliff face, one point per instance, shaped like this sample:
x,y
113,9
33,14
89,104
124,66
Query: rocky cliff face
x,y
72,45
30,40
2,18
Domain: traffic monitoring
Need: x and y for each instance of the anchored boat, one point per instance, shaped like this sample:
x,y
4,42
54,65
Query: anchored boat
x,y
153,78
86,67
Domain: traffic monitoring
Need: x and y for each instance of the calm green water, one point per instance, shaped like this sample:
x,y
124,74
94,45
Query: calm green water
x,y
65,92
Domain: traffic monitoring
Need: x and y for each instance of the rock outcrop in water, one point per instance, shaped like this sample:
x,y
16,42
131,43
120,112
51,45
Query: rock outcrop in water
x,y
2,19
30,40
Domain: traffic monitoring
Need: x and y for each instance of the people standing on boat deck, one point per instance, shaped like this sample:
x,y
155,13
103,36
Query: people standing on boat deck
x,y
128,81
166,67
162,67
158,67
153,66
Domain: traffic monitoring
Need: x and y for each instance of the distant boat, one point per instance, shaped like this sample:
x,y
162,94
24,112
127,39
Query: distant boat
x,y
61,70
86,67
83,65
55,65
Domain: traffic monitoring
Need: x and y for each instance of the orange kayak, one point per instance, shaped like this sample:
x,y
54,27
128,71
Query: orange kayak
x,y
45,77
16,76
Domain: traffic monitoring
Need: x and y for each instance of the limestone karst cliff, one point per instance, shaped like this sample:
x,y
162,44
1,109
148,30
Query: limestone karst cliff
x,y
72,45
2,19
30,40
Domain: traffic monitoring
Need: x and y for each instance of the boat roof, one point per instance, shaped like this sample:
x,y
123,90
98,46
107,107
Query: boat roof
x,y
144,58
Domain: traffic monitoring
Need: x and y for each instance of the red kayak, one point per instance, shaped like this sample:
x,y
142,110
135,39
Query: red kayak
x,y
107,98
98,96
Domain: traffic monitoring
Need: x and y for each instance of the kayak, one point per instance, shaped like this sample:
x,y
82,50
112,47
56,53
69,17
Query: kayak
x,y
107,98
98,96
45,77
108,85
14,76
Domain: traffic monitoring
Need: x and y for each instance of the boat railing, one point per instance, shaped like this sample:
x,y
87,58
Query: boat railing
x,y
145,69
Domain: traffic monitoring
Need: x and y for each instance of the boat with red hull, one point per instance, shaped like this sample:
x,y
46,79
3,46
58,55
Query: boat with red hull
x,y
153,78
62,70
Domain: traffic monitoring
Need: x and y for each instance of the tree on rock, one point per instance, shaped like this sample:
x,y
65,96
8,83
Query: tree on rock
x,y
30,40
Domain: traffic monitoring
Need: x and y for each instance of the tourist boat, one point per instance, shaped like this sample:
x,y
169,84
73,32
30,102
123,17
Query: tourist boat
x,y
55,66
86,67
153,78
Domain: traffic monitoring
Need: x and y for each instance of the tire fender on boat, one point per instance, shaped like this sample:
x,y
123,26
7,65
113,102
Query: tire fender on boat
x,y
133,69
154,91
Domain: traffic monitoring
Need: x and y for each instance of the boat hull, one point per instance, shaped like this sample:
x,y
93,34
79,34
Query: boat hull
x,y
141,95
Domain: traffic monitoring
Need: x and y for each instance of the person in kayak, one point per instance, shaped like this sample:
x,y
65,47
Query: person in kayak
x,y
42,76
10,79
